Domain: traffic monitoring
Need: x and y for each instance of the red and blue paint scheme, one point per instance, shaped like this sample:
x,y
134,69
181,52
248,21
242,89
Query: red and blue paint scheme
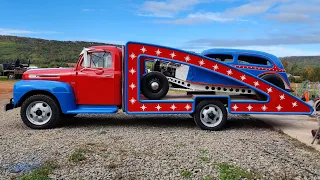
x,y
103,90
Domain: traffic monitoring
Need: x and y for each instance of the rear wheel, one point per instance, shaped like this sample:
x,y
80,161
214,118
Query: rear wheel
x,y
40,112
210,115
154,85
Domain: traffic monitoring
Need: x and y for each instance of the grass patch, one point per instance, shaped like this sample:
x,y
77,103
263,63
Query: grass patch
x,y
208,178
228,171
42,173
203,151
77,156
186,174
5,78
204,159
180,145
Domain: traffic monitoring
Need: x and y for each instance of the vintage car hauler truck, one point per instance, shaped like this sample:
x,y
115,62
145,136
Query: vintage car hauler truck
x,y
107,78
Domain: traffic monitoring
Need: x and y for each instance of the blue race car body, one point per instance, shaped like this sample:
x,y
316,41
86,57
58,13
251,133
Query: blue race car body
x,y
260,64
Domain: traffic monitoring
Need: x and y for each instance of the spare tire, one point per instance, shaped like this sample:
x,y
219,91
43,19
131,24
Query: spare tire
x,y
275,80
154,85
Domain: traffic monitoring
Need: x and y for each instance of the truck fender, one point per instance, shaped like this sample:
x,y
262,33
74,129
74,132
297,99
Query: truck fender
x,y
60,91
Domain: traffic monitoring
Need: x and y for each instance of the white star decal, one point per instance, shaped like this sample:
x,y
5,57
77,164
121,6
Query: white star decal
x,y
229,72
132,56
249,107
158,107
215,67
132,71
282,97
294,104
187,107
143,107
132,86
201,62
173,55
235,107
187,58
279,107
243,77
264,108
143,49
173,107
132,100
269,90
256,84
158,52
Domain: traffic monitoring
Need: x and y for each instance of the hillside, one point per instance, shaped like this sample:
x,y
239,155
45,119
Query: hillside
x,y
41,51
49,52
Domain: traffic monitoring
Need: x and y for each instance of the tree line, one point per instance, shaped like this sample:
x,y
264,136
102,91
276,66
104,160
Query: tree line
x,y
302,73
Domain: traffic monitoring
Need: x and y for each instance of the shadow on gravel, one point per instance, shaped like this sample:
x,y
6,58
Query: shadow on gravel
x,y
163,121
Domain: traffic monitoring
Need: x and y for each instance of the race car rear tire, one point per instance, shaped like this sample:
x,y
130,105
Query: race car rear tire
x,y
154,85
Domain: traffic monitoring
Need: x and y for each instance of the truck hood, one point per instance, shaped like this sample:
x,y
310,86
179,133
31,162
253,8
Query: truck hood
x,y
47,73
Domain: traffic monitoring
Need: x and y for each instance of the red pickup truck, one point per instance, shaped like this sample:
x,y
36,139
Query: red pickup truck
x,y
108,78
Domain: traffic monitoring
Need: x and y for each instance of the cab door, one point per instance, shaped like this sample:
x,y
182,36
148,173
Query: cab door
x,y
95,83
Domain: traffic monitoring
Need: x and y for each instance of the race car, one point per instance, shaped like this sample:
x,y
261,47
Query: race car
x,y
260,64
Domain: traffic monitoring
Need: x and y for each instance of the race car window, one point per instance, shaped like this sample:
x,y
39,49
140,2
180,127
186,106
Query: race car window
x,y
253,60
221,57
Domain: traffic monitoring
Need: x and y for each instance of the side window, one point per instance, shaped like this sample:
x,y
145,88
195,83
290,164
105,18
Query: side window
x,y
221,57
101,60
253,60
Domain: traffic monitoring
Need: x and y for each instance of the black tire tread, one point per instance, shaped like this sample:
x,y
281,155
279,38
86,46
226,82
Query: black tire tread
x,y
51,102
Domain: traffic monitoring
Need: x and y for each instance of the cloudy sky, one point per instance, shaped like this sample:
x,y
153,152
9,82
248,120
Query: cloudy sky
x,y
280,27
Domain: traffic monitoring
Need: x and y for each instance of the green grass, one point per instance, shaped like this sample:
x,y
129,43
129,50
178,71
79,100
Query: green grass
x,y
77,156
208,178
186,174
228,172
5,78
204,159
203,151
42,173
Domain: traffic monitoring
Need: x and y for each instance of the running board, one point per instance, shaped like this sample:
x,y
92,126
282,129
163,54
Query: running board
x,y
85,109
208,88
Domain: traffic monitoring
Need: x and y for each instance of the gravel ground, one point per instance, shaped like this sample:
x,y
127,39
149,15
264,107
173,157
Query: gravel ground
x,y
153,147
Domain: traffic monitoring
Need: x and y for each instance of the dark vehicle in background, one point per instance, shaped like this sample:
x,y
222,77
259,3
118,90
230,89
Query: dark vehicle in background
x,y
14,70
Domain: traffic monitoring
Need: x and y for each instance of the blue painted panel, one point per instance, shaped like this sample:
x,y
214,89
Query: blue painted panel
x,y
85,109
61,90
198,75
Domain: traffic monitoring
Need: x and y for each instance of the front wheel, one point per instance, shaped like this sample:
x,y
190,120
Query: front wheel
x,y
40,112
210,115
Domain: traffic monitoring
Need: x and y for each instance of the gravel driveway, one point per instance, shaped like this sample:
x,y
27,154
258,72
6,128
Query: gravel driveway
x,y
153,147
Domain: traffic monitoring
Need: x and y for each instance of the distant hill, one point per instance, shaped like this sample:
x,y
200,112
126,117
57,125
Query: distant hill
x,y
41,51
302,61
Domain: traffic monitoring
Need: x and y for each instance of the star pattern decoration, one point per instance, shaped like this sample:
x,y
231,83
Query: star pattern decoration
x,y
187,58
243,77
264,107
173,107
294,104
132,100
132,86
235,107
215,67
279,107
158,107
158,52
278,100
173,55
201,63
132,56
143,49
132,71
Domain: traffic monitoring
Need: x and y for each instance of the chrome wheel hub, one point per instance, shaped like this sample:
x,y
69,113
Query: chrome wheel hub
x,y
39,112
211,115
154,86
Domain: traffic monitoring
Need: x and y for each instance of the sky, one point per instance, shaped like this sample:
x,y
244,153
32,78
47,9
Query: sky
x,y
280,27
